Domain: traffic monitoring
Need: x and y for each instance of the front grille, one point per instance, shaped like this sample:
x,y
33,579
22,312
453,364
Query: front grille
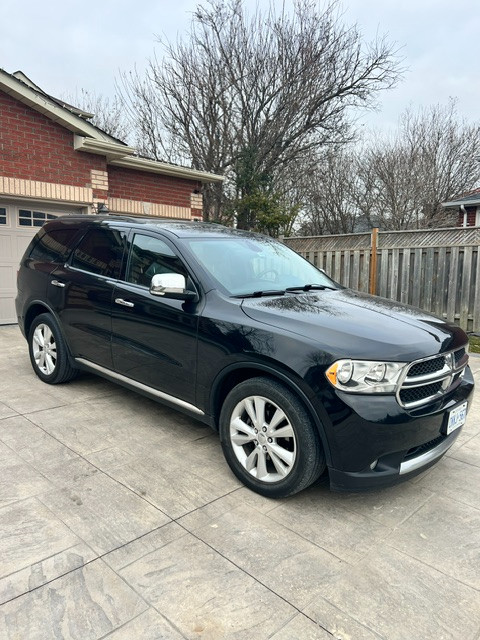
x,y
427,366
414,394
431,378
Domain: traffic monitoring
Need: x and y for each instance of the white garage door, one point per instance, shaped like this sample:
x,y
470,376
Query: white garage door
x,y
18,224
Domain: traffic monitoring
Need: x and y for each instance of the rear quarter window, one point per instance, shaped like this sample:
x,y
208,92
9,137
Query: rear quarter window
x,y
53,245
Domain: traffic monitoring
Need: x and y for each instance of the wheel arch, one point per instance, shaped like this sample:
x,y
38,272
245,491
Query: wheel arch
x,y
36,308
232,375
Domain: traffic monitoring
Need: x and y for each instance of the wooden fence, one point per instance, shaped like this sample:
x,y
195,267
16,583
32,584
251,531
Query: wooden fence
x,y
437,270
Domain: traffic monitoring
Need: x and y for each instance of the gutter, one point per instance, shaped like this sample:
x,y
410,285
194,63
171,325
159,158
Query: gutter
x,y
461,203
120,155
110,150
155,166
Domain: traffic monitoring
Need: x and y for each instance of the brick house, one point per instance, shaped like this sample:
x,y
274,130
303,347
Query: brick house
x,y
53,162
468,207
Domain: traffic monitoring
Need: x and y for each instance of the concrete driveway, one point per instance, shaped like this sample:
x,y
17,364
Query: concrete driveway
x,y
120,519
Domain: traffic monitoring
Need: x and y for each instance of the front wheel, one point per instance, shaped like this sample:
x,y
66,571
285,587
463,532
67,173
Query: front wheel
x,y
48,351
268,438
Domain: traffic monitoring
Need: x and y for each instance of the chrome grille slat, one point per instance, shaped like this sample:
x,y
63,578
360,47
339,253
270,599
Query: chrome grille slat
x,y
427,367
418,381
429,379
415,394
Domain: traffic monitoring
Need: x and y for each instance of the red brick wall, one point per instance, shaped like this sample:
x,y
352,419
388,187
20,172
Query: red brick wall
x,y
471,217
149,187
35,148
32,147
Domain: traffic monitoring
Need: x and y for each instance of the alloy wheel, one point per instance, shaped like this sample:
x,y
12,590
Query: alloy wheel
x,y
263,439
44,349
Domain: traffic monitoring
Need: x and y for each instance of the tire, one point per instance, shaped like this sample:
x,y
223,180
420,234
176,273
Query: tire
x,y
48,351
269,440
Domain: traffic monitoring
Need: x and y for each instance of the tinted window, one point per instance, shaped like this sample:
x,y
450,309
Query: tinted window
x,y
53,246
3,215
100,251
149,256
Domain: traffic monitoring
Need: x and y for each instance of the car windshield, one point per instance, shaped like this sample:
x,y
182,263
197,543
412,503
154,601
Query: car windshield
x,y
250,265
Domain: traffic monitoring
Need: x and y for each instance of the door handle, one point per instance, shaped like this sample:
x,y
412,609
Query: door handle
x,y
56,283
123,302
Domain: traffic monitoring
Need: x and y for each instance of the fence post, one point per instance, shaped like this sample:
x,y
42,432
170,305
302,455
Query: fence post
x,y
373,262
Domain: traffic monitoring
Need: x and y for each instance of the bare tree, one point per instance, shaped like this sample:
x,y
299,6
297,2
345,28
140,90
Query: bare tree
x,y
108,113
390,188
398,182
268,86
432,158
332,192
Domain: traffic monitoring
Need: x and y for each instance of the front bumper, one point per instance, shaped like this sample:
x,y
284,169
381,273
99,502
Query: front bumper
x,y
398,444
391,469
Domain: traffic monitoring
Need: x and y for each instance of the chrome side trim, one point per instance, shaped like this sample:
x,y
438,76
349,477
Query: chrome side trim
x,y
138,385
428,456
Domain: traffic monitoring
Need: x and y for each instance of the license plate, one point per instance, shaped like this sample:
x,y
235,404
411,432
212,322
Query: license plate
x,y
457,417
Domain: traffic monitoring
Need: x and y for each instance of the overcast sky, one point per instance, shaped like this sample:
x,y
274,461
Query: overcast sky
x,y
64,46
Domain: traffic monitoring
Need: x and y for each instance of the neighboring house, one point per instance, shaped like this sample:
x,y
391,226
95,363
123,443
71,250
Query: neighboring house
x,y
468,207
53,162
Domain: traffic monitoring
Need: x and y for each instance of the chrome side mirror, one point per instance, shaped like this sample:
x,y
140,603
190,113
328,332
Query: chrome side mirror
x,y
171,285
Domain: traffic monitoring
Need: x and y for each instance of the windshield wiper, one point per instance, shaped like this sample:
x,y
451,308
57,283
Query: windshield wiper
x,y
260,294
309,287
282,292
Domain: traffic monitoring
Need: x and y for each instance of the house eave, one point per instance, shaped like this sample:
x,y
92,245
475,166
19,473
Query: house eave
x,y
459,203
155,166
25,94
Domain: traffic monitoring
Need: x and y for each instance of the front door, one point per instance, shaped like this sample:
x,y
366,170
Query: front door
x,y
154,340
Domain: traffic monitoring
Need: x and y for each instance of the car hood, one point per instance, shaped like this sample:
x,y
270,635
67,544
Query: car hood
x,y
351,324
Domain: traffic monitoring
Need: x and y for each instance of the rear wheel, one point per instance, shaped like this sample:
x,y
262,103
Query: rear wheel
x,y
269,440
48,351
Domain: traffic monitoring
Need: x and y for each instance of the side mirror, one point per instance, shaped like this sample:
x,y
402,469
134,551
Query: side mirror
x,y
171,285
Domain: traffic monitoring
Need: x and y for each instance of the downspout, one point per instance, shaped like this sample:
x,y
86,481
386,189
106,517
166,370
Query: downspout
x,y
462,208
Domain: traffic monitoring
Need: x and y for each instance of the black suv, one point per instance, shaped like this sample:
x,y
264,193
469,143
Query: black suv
x,y
297,373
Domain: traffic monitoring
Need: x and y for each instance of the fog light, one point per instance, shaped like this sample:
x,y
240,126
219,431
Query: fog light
x,y
373,465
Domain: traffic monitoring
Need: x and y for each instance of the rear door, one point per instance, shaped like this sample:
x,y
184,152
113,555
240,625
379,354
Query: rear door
x,y
81,292
154,340
48,250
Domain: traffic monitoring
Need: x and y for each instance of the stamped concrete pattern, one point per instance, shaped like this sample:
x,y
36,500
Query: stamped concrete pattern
x,y
120,519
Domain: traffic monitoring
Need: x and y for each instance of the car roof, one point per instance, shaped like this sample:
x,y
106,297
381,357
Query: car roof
x,y
179,228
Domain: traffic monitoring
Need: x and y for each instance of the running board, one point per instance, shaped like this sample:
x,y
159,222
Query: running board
x,y
141,387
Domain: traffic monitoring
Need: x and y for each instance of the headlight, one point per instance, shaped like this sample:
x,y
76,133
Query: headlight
x,y
365,376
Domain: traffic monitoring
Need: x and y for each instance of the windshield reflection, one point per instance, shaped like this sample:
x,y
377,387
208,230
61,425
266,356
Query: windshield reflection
x,y
243,265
